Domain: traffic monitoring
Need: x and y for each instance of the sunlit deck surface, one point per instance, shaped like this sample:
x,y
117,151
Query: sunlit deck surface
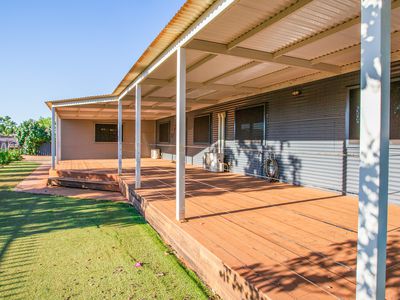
x,y
286,241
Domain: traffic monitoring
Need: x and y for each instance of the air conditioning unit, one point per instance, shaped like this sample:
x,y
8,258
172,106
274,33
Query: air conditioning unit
x,y
213,162
155,153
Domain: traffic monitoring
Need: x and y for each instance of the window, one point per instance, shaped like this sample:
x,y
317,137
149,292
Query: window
x,y
163,132
249,123
395,110
106,133
202,129
354,112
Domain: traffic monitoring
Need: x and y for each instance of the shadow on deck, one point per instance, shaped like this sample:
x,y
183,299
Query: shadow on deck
x,y
250,239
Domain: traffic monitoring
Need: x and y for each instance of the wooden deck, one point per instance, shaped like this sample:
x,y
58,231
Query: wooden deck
x,y
249,239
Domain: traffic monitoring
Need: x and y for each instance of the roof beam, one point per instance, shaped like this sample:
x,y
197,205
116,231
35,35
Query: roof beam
x,y
192,67
193,85
99,112
102,108
200,62
171,108
158,82
172,100
234,71
346,50
214,11
276,18
199,100
323,34
318,36
113,117
223,87
218,48
268,75
99,106
395,35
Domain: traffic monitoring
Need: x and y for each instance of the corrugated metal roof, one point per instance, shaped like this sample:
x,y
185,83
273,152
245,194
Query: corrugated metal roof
x,y
307,32
50,102
186,16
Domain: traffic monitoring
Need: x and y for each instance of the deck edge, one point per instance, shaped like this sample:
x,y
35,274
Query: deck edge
x,y
222,279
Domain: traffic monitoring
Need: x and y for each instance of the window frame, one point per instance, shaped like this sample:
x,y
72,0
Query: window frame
x,y
352,142
264,122
209,129
107,123
169,132
347,117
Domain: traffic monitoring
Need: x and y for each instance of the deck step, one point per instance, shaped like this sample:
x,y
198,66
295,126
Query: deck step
x,y
111,186
84,175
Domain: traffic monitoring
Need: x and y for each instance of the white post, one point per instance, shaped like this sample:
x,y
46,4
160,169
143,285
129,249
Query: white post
x,y
374,148
119,136
53,138
138,135
221,132
180,133
58,139
223,117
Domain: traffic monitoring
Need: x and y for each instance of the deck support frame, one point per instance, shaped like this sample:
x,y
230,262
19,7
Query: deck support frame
x,y
374,149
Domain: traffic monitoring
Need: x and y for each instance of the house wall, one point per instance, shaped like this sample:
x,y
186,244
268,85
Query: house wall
x,y
78,140
306,133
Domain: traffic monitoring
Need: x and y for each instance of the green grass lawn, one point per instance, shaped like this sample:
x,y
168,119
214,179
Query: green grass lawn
x,y
62,248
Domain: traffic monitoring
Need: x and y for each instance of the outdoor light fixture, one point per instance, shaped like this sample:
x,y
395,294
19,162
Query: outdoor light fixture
x,y
296,93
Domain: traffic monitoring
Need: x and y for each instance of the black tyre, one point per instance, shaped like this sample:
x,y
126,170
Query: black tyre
x,y
271,169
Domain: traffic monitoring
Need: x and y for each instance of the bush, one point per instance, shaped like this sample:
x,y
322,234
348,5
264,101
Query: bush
x,y
32,134
15,154
7,156
4,157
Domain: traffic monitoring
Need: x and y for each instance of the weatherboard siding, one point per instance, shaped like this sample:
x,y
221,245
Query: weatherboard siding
x,y
305,133
78,140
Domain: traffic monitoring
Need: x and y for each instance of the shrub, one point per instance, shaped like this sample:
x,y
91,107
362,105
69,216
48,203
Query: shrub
x,y
7,156
15,154
32,134
4,157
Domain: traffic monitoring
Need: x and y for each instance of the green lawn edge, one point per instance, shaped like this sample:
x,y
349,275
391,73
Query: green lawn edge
x,y
116,220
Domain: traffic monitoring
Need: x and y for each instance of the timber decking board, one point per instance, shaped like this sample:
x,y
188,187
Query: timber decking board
x,y
286,241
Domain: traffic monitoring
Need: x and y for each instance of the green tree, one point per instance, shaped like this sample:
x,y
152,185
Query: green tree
x,y
7,126
46,124
31,134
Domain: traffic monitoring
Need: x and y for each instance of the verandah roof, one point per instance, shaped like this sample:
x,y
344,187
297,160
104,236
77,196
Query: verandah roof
x,y
248,48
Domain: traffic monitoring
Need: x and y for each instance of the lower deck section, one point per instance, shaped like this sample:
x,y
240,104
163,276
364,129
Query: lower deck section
x,y
250,239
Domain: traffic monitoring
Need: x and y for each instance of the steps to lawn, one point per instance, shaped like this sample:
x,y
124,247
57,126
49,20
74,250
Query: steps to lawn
x,y
84,180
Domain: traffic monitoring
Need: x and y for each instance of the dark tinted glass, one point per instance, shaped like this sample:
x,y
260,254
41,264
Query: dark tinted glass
x,y
106,133
163,132
354,114
354,111
395,111
249,123
201,129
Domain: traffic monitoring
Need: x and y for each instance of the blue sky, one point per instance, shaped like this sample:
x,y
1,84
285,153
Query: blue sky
x,y
63,49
